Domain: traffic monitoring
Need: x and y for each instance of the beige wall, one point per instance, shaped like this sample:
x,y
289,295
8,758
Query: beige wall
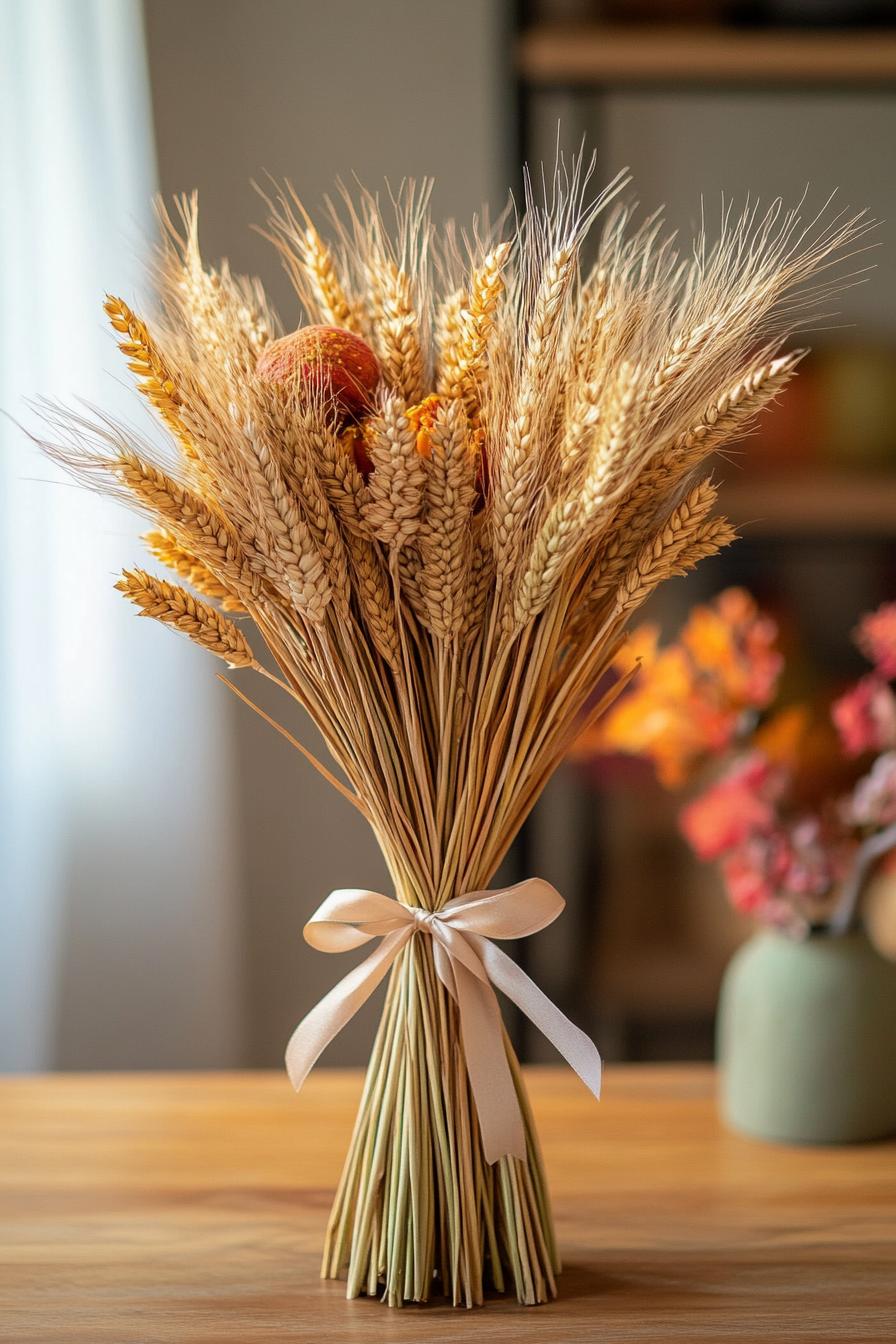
x,y
314,91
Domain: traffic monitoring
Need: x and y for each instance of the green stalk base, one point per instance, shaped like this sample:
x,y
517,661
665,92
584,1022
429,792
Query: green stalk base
x,y
419,1212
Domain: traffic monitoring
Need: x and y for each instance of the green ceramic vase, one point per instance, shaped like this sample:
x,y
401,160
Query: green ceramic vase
x,y
806,1039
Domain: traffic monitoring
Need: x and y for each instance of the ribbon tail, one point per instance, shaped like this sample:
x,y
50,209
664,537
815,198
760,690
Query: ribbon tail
x,y
327,1018
491,1082
577,1049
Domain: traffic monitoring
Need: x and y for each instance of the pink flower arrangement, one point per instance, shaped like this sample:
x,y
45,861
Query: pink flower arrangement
x,y
771,862
782,863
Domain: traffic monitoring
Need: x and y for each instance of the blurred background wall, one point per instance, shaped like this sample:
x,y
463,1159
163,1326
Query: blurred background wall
x,y
182,944
813,490
315,93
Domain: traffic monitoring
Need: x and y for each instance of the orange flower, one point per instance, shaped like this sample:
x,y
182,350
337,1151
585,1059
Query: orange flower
x,y
783,737
689,698
422,418
732,642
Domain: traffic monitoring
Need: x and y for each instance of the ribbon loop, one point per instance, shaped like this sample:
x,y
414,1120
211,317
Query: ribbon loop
x,y
351,917
468,965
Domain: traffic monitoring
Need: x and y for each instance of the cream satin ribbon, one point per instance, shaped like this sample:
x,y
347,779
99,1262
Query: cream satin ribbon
x,y
468,965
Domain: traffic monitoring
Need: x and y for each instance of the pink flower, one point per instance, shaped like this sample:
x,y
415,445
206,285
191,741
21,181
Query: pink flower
x,y
811,868
865,717
737,806
748,886
873,801
756,872
876,637
778,876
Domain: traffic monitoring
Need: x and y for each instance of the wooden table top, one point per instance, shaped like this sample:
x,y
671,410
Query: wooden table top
x,y
191,1208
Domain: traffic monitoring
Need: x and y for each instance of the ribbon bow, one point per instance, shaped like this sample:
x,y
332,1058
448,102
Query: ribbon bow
x,y
468,965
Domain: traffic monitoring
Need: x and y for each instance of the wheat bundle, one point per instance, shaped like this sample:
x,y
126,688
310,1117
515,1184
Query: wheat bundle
x,y
438,514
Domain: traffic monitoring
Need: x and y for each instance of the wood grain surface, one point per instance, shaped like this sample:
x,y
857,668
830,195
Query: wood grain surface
x,y
191,1207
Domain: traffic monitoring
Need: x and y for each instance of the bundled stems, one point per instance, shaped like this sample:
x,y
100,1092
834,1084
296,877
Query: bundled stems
x,y
419,1210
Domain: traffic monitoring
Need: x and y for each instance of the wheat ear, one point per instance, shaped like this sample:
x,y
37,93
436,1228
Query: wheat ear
x,y
397,329
342,482
730,414
371,587
481,583
177,607
553,545
572,519
681,356
295,558
612,459
662,556
301,441
227,319
166,549
333,303
200,529
450,325
726,418
154,378
577,443
445,530
395,492
466,360
710,537
518,464
410,568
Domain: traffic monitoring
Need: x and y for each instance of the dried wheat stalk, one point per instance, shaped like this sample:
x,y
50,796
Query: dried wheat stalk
x,y
203,624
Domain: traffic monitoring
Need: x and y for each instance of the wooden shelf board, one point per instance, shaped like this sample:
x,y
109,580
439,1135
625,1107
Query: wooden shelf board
x,y
649,54
812,504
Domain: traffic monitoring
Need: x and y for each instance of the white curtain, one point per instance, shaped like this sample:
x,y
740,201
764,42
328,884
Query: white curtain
x,y
119,937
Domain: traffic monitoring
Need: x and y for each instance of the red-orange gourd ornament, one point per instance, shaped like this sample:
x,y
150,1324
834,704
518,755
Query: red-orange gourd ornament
x,y
336,363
